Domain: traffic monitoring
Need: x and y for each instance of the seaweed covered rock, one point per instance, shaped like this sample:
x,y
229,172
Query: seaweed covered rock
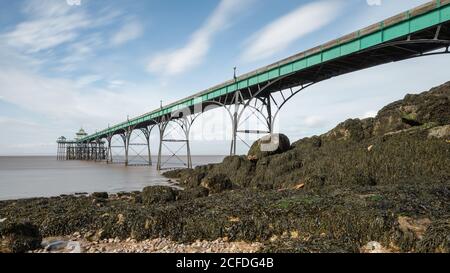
x,y
237,168
217,183
176,174
415,110
314,142
436,238
158,194
314,244
269,145
19,237
100,195
193,193
190,178
351,129
334,218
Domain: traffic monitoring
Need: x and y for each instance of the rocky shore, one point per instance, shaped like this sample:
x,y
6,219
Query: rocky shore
x,y
374,185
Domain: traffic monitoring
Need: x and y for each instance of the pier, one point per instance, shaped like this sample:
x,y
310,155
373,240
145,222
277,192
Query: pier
x,y
419,32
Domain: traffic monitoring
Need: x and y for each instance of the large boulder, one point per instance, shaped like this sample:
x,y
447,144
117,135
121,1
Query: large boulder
x,y
269,145
158,195
217,183
19,237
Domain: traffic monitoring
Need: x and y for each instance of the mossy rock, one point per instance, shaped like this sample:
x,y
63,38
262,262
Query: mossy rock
x,y
351,129
217,183
411,119
193,193
100,195
158,194
437,238
19,237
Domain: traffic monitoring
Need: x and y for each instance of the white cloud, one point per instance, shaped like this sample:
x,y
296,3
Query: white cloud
x,y
73,2
279,34
128,32
374,2
116,84
193,53
64,99
45,8
41,34
50,24
79,51
314,121
87,80
7,121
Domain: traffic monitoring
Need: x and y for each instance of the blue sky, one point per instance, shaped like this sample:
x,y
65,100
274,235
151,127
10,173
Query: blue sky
x,y
69,63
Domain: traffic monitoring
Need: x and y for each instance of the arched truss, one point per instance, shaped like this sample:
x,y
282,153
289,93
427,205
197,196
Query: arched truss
x,y
168,126
265,106
116,149
138,147
128,141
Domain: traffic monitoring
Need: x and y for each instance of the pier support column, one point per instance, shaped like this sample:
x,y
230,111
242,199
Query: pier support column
x,y
61,152
235,121
86,151
92,151
162,128
125,145
79,151
96,150
109,156
58,152
147,132
126,141
185,125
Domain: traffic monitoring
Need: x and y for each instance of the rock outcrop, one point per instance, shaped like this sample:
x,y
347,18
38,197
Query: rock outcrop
x,y
407,138
158,194
19,237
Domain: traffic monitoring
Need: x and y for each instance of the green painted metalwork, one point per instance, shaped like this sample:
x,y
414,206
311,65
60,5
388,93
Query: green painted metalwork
x,y
420,18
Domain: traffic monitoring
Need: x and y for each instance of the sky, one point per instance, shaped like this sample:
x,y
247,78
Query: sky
x,y
66,64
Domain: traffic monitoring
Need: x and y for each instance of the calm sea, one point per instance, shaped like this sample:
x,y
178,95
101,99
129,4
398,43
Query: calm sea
x,y
26,177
